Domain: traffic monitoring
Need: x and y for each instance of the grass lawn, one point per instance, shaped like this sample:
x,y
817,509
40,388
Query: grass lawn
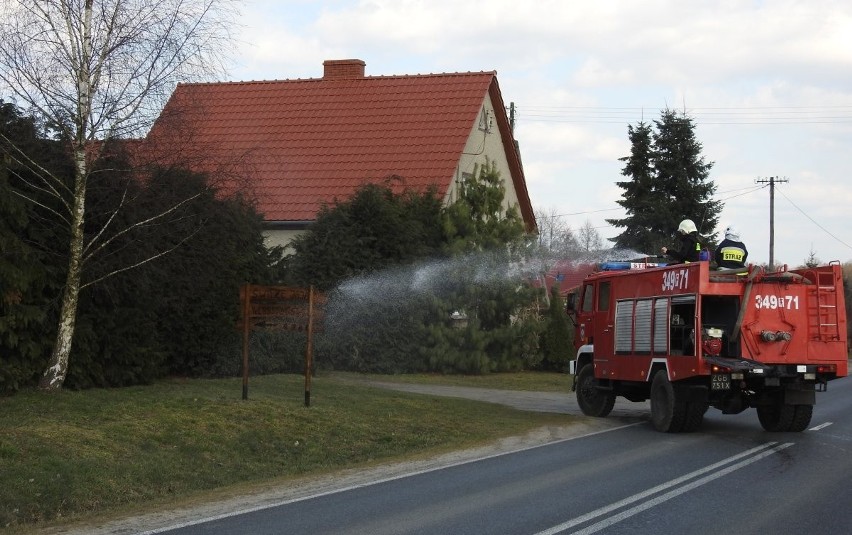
x,y
74,455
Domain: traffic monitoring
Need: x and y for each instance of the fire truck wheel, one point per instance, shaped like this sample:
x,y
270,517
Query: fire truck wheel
x,y
694,416
779,417
801,418
668,413
592,401
776,417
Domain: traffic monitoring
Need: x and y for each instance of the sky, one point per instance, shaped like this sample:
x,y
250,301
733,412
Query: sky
x,y
768,85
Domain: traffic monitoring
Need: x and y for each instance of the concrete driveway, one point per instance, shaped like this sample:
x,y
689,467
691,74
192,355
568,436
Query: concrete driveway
x,y
559,402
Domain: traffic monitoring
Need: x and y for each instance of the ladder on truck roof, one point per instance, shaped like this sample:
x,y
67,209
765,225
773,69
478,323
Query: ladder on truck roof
x,y
822,305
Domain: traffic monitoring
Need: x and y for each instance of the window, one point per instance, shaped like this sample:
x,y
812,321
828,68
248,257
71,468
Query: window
x,y
682,323
603,296
588,298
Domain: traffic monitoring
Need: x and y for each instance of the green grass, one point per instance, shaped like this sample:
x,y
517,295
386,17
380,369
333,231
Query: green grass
x,y
70,456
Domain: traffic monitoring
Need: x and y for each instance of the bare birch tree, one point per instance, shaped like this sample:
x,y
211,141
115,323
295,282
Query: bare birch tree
x,y
97,70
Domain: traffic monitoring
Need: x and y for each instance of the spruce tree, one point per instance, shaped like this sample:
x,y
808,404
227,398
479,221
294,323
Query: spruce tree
x,y
487,240
669,182
639,191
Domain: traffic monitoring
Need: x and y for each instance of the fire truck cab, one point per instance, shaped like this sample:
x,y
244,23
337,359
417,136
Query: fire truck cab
x,y
689,338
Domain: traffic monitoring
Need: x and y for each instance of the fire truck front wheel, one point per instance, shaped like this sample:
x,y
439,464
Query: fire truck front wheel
x,y
668,412
592,400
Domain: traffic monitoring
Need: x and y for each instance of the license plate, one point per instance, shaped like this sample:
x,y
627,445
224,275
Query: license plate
x,y
720,381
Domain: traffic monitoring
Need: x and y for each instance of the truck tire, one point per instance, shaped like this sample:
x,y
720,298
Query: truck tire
x,y
776,417
781,418
592,401
668,413
694,416
801,417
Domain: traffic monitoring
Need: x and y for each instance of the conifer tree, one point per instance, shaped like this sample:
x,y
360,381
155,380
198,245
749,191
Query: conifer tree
x,y
372,230
490,239
668,182
401,271
360,251
557,338
26,280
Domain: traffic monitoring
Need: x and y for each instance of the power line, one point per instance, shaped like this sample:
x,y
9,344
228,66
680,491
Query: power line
x,y
750,189
814,221
744,191
587,212
706,115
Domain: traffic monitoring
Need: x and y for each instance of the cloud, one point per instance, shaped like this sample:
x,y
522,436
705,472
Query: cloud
x,y
767,83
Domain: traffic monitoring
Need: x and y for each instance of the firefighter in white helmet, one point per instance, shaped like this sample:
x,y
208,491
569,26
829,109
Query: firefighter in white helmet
x,y
690,244
731,252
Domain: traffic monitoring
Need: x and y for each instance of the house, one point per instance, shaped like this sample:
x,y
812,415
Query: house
x,y
294,145
566,274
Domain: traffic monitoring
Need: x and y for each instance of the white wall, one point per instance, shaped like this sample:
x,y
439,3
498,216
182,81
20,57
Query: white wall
x,y
484,141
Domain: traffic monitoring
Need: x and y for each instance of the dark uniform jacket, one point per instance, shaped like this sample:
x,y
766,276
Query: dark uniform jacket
x,y
689,250
731,254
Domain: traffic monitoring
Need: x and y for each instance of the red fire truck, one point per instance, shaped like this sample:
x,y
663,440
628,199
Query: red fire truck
x,y
689,338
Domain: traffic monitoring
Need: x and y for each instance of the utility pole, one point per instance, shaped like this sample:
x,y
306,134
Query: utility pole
x,y
771,181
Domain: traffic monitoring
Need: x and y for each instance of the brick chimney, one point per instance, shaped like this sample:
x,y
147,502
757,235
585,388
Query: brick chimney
x,y
342,69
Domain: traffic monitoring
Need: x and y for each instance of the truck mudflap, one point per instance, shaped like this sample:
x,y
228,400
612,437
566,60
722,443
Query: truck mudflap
x,y
738,364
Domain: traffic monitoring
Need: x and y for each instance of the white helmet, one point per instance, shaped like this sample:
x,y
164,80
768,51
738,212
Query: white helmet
x,y
687,227
732,233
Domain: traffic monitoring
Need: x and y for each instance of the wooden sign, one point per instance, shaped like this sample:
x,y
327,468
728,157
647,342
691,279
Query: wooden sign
x,y
280,308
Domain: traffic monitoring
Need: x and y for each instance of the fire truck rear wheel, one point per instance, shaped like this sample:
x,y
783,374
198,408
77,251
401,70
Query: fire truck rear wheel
x,y
592,401
668,413
801,418
781,418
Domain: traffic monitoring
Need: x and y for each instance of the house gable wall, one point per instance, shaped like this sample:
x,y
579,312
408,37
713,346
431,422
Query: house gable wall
x,y
484,143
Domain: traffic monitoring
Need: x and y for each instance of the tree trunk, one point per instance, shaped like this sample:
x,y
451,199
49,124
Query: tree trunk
x,y
57,369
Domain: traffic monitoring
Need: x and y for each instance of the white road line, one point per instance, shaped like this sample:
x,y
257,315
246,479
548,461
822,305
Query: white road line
x,y
759,453
820,426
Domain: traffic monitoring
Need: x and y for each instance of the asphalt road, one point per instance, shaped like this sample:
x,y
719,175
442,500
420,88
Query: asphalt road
x,y
613,475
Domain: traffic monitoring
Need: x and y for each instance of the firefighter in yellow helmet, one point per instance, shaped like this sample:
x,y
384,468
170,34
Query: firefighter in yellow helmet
x,y
690,244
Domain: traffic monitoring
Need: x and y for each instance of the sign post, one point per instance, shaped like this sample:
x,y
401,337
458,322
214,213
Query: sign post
x,y
309,353
246,313
279,308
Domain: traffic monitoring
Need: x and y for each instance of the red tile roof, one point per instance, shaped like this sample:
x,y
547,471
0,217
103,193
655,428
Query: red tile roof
x,y
566,274
293,145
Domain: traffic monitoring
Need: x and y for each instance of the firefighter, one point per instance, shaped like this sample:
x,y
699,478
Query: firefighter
x,y
731,252
690,244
